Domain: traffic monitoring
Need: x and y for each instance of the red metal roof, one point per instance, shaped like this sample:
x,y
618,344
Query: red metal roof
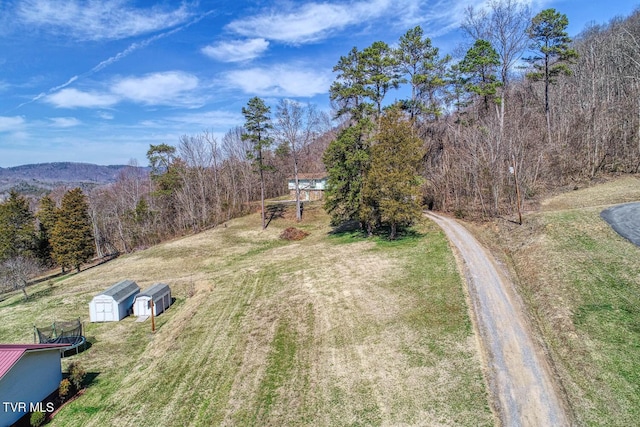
x,y
11,353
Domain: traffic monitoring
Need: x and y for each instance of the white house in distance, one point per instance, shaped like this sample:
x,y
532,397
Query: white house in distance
x,y
312,186
114,304
159,293
28,374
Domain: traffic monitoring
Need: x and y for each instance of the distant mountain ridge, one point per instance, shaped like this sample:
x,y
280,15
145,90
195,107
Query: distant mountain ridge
x,y
41,177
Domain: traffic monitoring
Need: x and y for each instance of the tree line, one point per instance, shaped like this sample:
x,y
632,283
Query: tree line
x,y
56,235
525,110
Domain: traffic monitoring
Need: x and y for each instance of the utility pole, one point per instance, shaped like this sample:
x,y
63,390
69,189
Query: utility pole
x,y
153,320
515,178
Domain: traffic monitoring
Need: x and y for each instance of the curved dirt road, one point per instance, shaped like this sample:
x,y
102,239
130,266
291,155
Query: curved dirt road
x,y
522,388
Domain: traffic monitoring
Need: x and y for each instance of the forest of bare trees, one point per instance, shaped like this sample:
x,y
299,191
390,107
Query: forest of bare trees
x,y
594,129
202,182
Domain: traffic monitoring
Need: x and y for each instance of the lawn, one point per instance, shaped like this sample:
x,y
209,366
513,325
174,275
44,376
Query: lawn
x,y
335,329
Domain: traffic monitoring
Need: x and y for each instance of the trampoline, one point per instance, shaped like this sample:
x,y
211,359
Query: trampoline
x,y
69,333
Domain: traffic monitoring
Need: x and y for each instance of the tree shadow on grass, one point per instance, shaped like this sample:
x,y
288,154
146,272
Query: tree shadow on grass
x,y
275,210
351,231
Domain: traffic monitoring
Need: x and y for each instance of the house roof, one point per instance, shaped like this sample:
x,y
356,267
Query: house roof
x,y
122,290
11,353
319,175
155,291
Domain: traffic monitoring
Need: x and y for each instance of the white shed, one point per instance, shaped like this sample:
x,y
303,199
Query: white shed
x,y
29,373
159,293
113,304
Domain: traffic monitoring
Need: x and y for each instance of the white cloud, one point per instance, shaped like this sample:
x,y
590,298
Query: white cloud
x,y
310,22
210,119
10,124
236,50
64,122
173,88
73,98
99,20
280,80
168,88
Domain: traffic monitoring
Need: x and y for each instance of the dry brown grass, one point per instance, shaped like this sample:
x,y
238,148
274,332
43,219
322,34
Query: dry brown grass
x,y
621,190
323,331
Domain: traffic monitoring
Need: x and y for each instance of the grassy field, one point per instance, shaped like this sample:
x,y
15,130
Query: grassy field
x,y
331,330
581,281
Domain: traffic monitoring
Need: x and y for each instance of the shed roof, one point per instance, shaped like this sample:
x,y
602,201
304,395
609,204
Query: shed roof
x,y
122,290
11,353
155,291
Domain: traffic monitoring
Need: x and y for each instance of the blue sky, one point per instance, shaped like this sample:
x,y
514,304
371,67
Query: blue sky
x,y
99,81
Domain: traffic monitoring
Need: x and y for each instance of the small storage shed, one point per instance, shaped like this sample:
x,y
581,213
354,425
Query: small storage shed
x,y
29,373
159,293
113,304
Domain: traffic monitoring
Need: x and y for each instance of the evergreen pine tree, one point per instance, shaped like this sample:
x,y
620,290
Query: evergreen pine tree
x,y
17,231
47,216
71,238
391,191
552,44
481,64
257,127
347,160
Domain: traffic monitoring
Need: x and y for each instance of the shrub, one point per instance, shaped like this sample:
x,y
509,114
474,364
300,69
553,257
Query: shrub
x,y
76,375
37,419
63,389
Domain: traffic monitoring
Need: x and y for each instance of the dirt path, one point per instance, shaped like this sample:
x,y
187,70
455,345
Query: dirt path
x,y
519,375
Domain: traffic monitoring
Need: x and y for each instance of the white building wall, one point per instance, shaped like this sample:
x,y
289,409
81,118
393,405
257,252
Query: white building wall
x,y
103,308
34,377
141,305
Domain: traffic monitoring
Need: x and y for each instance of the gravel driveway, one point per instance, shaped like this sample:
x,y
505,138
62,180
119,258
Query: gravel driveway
x,y
520,382
625,219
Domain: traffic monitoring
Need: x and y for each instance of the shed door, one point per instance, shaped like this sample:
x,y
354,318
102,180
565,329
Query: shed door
x,y
142,305
104,311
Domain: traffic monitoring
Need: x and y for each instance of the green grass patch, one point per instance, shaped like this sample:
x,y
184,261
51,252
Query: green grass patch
x,y
280,365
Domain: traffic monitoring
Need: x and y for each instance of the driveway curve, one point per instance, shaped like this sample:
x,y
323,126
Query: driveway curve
x,y
519,376
625,220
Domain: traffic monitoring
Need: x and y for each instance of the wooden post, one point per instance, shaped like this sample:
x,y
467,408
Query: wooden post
x,y
515,178
153,320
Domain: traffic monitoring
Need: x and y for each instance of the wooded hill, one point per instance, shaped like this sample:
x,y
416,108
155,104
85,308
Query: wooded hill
x,y
41,178
485,125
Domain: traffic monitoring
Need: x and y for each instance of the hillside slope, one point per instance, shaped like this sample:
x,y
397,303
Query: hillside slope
x,y
581,281
38,177
330,330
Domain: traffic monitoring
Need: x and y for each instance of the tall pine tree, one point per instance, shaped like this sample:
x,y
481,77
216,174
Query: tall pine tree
x,y
480,64
347,160
257,126
391,191
551,43
47,216
17,228
72,238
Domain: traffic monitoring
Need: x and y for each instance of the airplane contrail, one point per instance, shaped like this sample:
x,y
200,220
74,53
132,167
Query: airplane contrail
x,y
117,57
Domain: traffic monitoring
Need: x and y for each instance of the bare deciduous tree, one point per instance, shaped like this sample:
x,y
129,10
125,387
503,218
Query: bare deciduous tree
x,y
296,127
16,272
